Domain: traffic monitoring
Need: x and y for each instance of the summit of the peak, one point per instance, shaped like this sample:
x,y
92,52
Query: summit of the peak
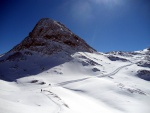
x,y
47,22
47,26
50,36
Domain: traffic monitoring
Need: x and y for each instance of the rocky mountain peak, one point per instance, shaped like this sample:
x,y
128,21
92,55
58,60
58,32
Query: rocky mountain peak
x,y
50,36
48,26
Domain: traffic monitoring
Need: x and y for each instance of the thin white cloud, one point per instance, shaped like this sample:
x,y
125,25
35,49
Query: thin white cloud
x,y
107,2
81,10
85,10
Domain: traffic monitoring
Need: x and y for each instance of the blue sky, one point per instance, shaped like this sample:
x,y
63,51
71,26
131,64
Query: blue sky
x,y
106,25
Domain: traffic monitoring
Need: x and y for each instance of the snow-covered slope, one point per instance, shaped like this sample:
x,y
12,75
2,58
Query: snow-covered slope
x,y
73,80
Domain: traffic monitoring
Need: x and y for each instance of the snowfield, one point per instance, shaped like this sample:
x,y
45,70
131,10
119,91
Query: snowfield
x,y
87,83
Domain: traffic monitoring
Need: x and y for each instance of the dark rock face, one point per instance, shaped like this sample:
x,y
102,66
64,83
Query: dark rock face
x,y
144,64
49,36
114,58
95,70
144,74
121,53
15,56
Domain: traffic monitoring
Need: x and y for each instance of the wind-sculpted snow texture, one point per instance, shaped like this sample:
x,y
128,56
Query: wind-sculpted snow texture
x,y
51,71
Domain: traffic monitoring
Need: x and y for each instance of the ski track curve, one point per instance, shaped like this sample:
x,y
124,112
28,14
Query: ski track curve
x,y
69,82
115,71
100,76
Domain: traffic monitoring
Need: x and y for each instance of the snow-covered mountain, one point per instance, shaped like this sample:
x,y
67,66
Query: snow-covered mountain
x,y
49,44
54,71
49,37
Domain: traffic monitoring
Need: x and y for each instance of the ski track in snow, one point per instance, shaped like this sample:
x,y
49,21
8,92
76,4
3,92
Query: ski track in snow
x,y
51,96
115,71
100,76
69,82
55,99
59,106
